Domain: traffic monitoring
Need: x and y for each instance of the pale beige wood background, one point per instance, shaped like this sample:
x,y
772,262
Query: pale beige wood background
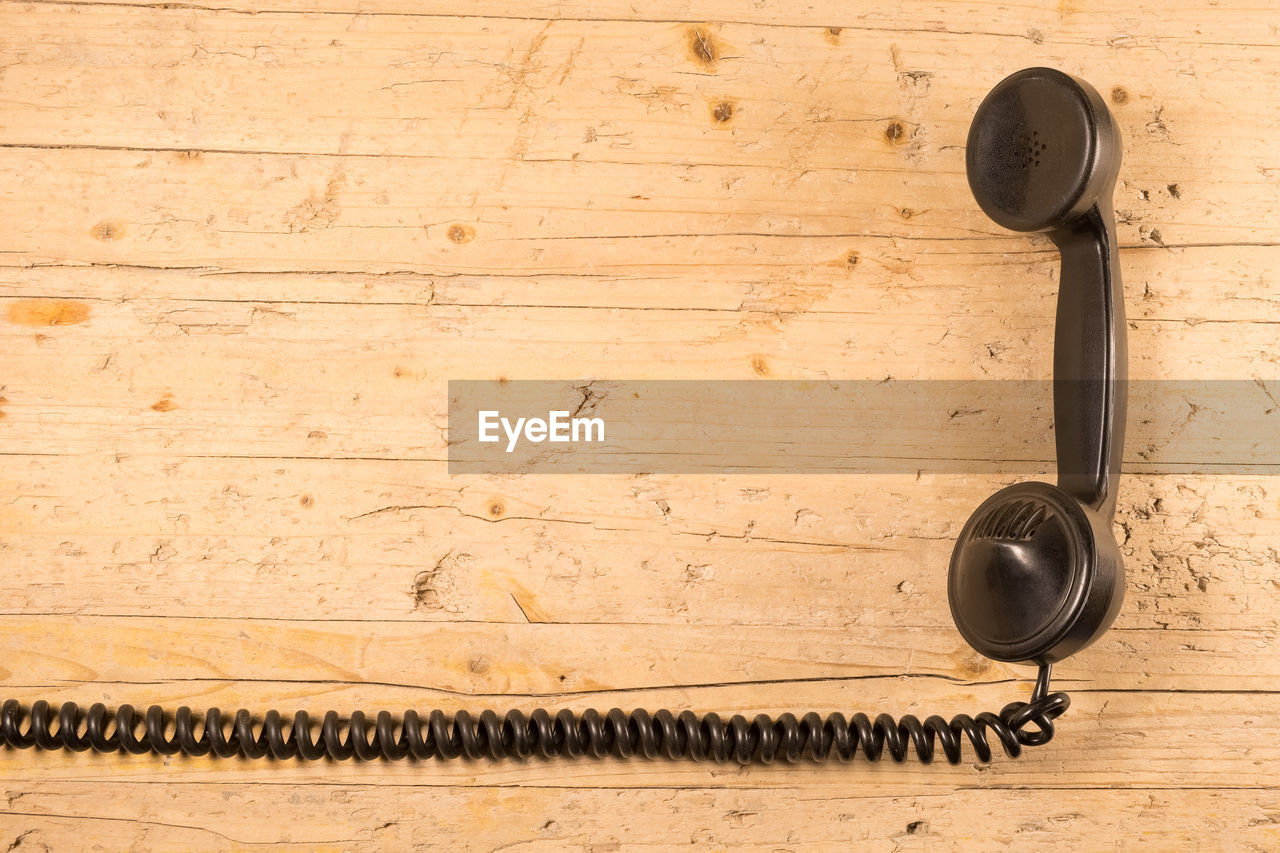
x,y
244,244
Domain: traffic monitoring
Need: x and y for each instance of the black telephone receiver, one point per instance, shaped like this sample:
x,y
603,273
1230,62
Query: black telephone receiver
x,y
1036,574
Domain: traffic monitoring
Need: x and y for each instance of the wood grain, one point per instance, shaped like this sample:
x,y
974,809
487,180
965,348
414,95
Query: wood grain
x,y
244,245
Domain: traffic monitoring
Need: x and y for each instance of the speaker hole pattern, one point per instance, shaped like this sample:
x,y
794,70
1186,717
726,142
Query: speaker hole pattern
x,y
1016,521
1030,148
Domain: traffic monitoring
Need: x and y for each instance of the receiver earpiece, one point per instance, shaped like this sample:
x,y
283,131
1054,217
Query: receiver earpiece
x,y
1037,574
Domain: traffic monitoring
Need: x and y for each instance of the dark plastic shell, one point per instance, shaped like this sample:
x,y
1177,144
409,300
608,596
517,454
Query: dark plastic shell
x,y
1042,148
1035,575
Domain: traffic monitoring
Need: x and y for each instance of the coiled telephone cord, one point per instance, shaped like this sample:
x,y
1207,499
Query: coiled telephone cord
x,y
662,734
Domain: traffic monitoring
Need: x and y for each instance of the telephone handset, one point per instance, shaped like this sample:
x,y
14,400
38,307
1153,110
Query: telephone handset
x,y
1036,574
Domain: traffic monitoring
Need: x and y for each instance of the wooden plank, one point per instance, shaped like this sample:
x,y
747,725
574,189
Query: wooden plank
x,y
562,662
543,82
212,816
1121,24
402,541
779,278
278,212
215,378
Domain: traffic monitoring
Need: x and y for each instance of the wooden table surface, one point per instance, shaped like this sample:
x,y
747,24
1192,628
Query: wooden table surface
x,y
245,243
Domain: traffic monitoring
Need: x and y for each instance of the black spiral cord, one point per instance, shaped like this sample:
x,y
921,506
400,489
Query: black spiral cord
x,y
659,735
